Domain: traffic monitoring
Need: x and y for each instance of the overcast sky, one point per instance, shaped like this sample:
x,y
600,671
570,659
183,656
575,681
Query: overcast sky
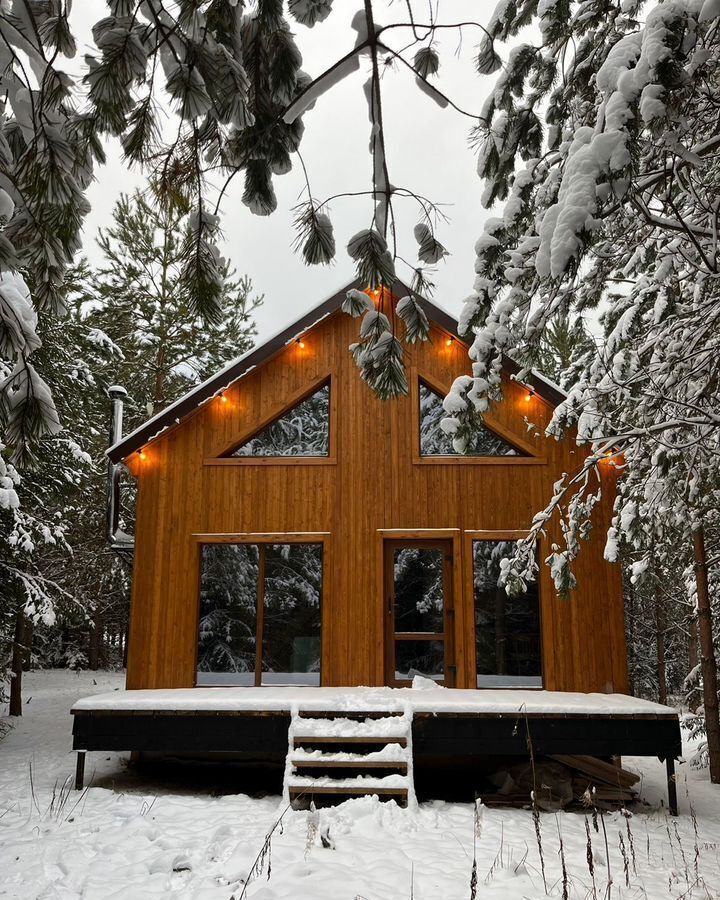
x,y
427,150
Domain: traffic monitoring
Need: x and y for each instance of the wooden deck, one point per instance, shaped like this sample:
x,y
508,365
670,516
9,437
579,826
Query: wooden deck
x,y
454,727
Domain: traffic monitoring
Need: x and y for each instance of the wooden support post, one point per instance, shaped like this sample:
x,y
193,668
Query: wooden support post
x,y
672,786
80,770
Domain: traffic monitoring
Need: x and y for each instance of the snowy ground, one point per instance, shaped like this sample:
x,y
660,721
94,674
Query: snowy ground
x,y
131,837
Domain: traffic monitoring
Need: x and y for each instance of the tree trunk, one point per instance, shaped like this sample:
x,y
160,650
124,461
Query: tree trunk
x,y
94,644
126,634
707,656
692,642
159,391
18,662
630,619
660,644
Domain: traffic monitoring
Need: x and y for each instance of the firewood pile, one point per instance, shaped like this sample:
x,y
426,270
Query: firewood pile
x,y
562,782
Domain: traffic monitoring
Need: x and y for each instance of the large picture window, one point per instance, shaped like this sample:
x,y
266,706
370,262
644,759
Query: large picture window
x,y
507,629
260,614
435,442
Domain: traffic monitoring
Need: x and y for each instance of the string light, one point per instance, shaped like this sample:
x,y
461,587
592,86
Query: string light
x,y
301,344
449,342
141,454
530,395
223,398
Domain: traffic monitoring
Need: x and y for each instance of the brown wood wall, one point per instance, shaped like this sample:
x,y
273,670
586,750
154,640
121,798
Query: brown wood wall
x,y
375,482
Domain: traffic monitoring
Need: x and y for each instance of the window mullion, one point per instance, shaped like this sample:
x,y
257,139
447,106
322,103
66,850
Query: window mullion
x,y
260,616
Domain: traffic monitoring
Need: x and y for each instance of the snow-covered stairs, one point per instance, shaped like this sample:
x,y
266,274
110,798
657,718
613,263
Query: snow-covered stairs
x,y
336,755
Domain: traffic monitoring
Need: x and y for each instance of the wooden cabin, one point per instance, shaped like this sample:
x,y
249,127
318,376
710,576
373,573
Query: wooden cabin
x,y
294,529
349,500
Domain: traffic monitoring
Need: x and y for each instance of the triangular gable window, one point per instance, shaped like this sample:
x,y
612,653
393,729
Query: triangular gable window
x,y
434,441
303,430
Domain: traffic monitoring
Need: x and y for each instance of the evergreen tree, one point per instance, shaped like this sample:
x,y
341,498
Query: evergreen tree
x,y
128,319
614,191
139,297
563,345
46,505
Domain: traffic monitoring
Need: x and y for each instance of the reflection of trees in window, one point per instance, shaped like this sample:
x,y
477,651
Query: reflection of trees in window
x,y
419,598
507,629
291,589
293,584
228,603
302,431
434,441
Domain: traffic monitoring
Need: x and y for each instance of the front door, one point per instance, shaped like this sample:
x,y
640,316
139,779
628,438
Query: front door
x,y
419,614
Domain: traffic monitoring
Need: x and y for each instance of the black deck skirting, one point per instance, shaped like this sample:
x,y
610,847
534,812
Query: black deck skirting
x,y
452,738
434,735
250,735
592,736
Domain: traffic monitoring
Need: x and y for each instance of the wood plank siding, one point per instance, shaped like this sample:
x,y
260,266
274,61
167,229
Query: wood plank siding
x,y
373,482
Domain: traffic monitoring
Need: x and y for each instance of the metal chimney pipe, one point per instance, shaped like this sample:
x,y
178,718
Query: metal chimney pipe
x,y
117,395
117,538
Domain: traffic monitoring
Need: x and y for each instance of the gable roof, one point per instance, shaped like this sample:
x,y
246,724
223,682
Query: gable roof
x,y
243,365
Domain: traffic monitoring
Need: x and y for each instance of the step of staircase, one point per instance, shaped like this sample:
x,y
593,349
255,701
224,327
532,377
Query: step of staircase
x,y
334,756
350,728
349,714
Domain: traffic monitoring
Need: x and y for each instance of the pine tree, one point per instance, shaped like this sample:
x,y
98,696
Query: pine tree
x,y
139,297
608,204
129,318
44,505
562,347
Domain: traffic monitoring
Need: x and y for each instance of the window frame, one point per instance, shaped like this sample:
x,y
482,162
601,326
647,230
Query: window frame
x,y
321,538
276,412
531,459
510,534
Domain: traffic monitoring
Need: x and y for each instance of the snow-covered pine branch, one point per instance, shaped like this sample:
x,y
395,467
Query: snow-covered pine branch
x,y
232,77
620,190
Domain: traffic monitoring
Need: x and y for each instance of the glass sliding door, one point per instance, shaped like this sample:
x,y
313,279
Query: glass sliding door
x,y
260,614
227,639
507,629
419,611
291,614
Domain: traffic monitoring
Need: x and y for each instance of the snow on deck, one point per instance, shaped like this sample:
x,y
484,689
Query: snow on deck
x,y
419,699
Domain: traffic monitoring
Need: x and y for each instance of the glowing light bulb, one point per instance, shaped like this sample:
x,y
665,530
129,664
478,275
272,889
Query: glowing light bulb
x,y
530,395
301,344
223,398
449,342
141,454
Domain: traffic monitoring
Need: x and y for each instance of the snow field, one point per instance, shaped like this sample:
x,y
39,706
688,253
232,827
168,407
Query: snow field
x,y
130,837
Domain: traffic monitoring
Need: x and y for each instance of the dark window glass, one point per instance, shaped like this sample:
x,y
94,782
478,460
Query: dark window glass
x,y
434,441
425,658
228,613
302,431
230,587
507,629
291,632
419,590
